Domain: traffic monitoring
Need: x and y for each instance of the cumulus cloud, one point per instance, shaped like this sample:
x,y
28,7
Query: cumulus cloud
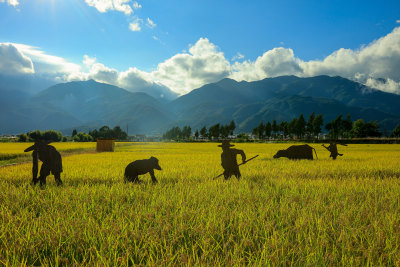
x,y
375,65
276,62
386,85
379,59
13,61
10,2
184,72
106,5
135,26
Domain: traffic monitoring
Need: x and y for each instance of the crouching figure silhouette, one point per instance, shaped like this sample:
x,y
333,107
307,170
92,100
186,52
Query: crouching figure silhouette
x,y
140,167
51,159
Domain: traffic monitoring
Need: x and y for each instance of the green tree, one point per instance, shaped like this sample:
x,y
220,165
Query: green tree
x,y
74,132
186,132
203,131
268,129
284,128
232,127
317,125
196,134
365,129
275,128
214,131
35,135
300,126
396,131
52,135
22,137
310,124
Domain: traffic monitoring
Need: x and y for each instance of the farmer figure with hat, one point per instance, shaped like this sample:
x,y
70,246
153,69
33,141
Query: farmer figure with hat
x,y
228,159
51,159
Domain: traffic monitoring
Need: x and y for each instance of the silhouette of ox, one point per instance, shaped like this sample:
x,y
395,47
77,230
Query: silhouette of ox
x,y
297,152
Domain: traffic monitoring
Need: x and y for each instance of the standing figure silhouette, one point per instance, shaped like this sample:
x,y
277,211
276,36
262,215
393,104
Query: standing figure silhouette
x,y
51,159
229,161
333,149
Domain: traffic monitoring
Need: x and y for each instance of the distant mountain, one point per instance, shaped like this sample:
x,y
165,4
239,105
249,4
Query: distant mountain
x,y
74,104
283,98
88,104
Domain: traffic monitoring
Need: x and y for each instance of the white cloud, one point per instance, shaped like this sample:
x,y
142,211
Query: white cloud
x,y
47,64
13,61
150,23
276,62
398,21
10,2
386,85
379,59
204,63
184,72
136,5
106,5
238,56
135,26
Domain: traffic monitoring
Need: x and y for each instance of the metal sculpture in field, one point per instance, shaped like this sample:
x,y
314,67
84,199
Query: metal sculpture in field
x,y
297,152
140,167
51,159
333,149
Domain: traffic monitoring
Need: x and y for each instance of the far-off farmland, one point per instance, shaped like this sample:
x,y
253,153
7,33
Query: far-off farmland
x,y
281,212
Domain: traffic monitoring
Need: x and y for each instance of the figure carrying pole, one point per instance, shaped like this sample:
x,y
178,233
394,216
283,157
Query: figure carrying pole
x,y
333,149
229,161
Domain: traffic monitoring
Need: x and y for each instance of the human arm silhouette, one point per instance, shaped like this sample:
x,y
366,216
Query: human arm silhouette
x,y
241,152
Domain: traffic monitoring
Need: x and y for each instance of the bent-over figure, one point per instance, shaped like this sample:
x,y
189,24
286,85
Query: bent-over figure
x,y
333,149
140,167
229,161
51,159
297,152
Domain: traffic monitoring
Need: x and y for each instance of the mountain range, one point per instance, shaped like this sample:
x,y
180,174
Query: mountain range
x,y
86,105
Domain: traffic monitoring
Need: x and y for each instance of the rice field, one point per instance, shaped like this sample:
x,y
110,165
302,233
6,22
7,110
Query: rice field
x,y
282,212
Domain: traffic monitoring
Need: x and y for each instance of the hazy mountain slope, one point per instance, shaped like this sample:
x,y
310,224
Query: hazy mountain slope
x,y
89,104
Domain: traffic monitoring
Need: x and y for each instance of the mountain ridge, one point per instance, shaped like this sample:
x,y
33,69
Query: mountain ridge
x,y
94,104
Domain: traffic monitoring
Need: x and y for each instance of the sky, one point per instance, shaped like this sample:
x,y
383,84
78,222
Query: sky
x,y
185,44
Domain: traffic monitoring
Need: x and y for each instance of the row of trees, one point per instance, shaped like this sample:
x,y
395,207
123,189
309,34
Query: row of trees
x,y
56,136
52,135
177,133
338,128
103,132
311,128
215,131
296,127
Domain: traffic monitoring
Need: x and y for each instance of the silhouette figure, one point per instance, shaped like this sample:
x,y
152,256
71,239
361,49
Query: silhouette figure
x,y
229,161
333,149
51,159
297,152
140,167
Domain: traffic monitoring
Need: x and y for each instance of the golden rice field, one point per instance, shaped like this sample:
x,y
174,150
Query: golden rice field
x,y
282,212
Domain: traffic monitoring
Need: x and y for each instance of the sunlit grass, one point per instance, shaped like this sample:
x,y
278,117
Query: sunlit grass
x,y
321,212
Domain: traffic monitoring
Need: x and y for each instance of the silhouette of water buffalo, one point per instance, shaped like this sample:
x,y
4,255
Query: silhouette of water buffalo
x,y
51,159
297,152
140,167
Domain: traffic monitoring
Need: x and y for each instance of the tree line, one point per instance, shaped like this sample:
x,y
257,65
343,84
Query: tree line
x,y
299,128
56,136
214,132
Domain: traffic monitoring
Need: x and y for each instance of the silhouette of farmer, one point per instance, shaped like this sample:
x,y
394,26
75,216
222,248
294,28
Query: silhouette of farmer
x,y
228,160
51,159
333,149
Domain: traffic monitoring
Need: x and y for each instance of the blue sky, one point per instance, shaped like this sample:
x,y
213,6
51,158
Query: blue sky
x,y
137,43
